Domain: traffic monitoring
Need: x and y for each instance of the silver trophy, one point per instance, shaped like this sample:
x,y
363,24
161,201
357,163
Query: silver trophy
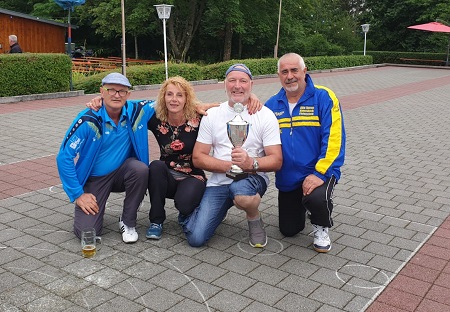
x,y
237,130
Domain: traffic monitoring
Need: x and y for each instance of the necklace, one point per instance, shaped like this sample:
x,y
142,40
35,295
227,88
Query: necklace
x,y
175,130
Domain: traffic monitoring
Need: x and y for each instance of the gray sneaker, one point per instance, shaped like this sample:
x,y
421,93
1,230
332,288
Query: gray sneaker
x,y
257,234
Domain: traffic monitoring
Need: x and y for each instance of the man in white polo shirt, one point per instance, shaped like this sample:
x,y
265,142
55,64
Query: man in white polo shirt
x,y
260,153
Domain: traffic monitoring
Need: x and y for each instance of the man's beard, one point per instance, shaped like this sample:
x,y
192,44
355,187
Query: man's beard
x,y
292,87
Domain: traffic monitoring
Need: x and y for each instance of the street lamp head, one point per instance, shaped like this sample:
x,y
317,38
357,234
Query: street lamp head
x,y
365,27
163,10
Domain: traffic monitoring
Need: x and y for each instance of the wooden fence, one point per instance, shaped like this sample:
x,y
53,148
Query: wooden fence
x,y
91,65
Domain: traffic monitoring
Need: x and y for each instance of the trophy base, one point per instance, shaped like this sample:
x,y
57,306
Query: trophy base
x,y
236,176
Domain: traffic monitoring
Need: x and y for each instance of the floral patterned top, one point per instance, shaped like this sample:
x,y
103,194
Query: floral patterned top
x,y
176,145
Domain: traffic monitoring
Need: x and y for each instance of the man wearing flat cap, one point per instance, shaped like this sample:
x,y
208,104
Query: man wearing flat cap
x,y
106,151
260,153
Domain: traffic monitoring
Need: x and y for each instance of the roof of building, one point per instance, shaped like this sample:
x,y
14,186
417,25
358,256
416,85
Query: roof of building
x,y
34,18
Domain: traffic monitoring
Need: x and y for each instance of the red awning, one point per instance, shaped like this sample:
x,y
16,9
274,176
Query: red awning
x,y
433,26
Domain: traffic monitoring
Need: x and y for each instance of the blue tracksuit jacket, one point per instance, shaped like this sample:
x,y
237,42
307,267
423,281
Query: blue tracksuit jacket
x,y
84,138
313,139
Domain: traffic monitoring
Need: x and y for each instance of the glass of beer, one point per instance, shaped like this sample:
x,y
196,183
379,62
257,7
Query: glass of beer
x,y
89,242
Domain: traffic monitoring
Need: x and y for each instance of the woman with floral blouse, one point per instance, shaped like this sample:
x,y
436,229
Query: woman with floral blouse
x,y
175,127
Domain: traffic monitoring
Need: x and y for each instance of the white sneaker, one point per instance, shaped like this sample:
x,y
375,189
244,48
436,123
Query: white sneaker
x,y
129,234
322,242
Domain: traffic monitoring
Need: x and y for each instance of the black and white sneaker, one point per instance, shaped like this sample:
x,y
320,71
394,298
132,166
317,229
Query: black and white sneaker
x,y
322,242
129,234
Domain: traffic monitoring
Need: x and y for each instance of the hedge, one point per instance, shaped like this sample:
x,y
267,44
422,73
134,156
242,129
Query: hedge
x,y
155,74
34,73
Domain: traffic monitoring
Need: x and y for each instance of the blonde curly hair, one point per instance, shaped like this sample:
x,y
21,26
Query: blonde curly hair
x,y
191,99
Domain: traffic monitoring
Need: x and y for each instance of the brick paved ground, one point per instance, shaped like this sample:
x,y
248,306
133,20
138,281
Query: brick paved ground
x,y
391,240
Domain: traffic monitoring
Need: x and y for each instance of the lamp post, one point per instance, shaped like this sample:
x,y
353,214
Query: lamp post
x,y
275,54
123,42
365,29
448,44
164,14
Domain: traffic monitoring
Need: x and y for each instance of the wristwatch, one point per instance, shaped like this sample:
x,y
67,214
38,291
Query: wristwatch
x,y
255,164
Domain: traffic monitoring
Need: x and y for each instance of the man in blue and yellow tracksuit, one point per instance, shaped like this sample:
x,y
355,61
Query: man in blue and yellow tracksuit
x,y
313,144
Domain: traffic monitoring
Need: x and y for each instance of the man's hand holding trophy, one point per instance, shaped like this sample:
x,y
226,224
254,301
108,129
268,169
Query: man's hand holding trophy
x,y
237,130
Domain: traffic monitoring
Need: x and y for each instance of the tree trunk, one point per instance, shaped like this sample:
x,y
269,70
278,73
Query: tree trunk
x,y
183,28
136,53
227,42
240,47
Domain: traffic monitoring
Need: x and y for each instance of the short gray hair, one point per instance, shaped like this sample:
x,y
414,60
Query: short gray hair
x,y
13,38
301,62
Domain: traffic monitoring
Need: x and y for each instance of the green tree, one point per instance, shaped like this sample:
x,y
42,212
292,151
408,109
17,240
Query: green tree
x,y
22,6
389,21
50,10
107,19
224,18
183,25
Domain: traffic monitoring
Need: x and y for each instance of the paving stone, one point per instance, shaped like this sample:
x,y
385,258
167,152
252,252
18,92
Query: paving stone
x,y
387,264
206,272
144,270
66,286
48,303
332,296
9,255
405,244
90,297
239,265
228,301
296,303
299,268
381,249
265,293
199,291
22,294
355,255
106,277
118,305
257,306
268,275
188,305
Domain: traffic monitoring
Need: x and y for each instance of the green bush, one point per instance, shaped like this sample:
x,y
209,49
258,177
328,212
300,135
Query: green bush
x,y
394,57
155,74
329,62
33,73
47,73
257,67
140,75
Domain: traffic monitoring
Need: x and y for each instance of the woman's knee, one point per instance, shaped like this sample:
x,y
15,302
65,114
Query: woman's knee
x,y
188,197
157,166
186,208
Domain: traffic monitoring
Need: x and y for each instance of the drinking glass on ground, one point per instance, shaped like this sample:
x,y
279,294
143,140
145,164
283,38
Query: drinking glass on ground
x,y
90,242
